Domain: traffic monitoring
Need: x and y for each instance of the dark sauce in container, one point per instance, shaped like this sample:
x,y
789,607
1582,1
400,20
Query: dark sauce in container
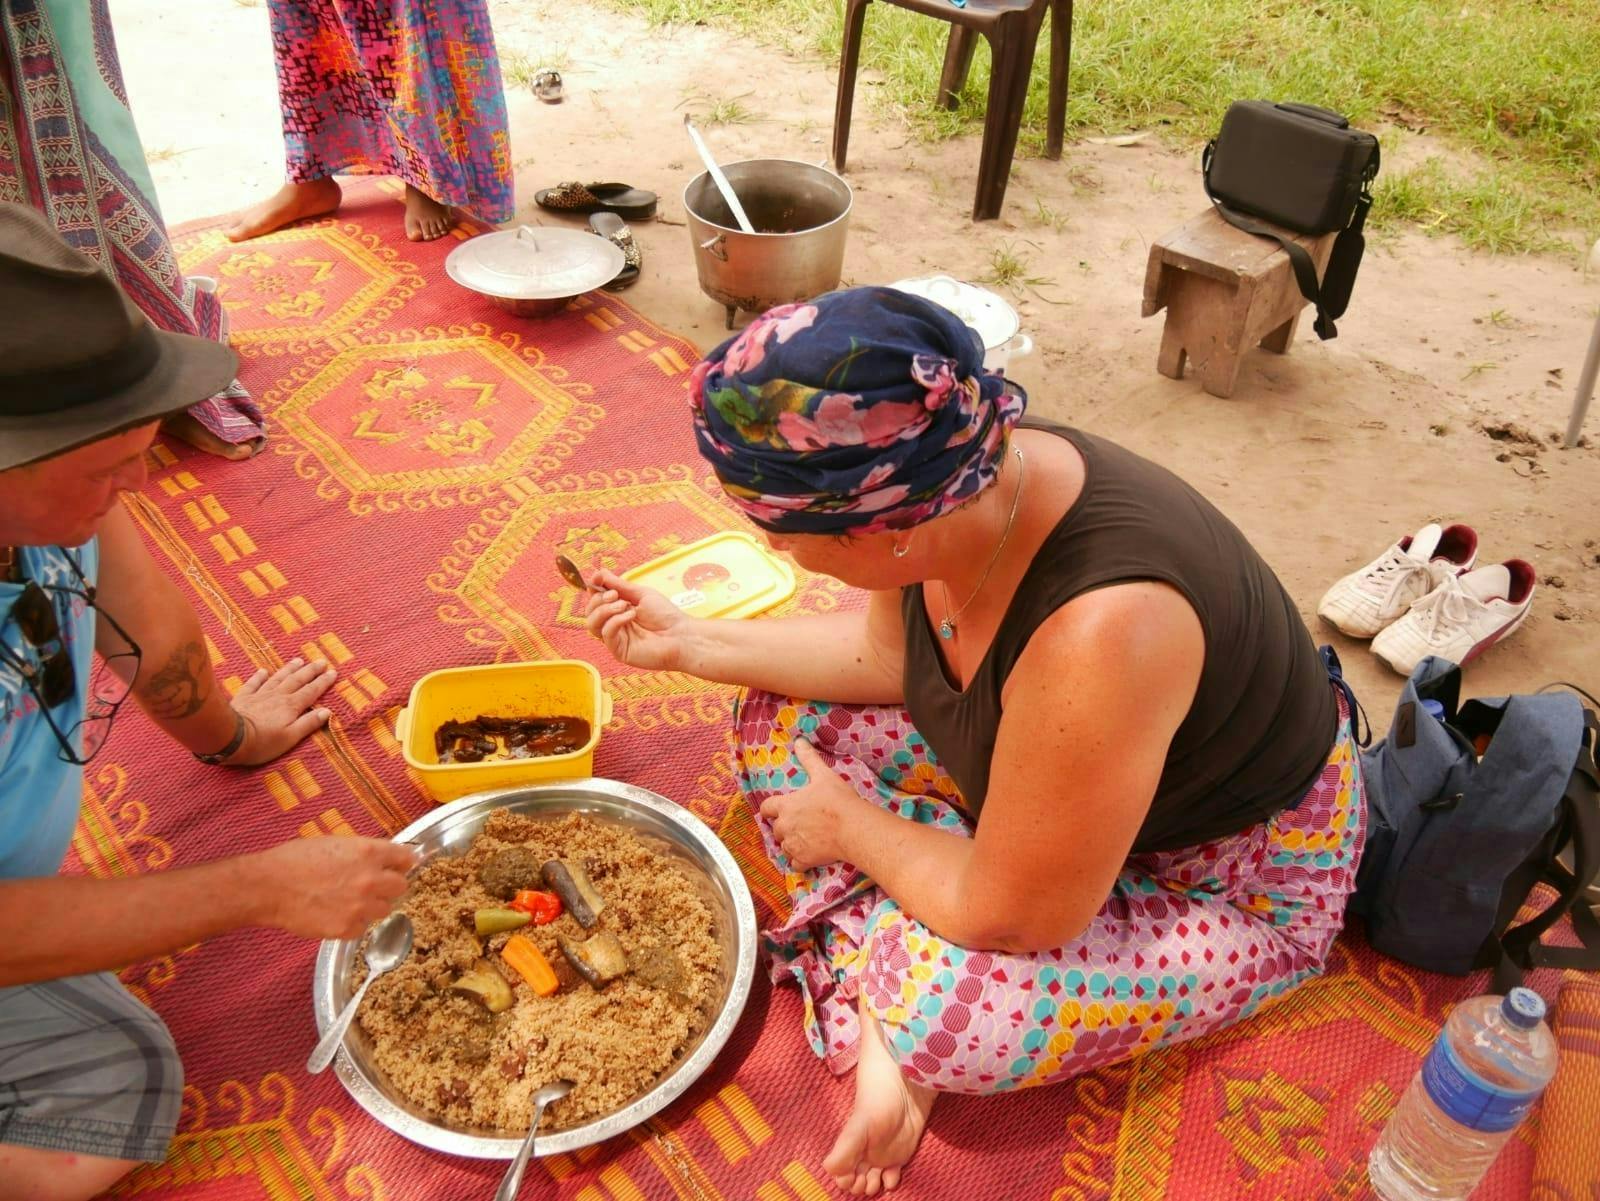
x,y
485,739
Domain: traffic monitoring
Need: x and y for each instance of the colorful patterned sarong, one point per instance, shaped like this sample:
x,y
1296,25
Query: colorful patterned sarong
x,y
396,87
1189,941
69,148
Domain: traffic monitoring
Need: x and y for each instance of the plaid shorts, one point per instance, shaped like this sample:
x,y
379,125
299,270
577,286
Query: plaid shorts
x,y
85,1067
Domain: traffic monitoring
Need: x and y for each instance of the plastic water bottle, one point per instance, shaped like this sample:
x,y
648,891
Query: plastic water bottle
x,y
1486,1069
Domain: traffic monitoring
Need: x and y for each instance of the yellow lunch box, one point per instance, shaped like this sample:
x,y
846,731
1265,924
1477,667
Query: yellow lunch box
x,y
554,688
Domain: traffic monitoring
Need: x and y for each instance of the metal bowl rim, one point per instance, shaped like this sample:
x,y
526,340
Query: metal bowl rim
x,y
649,1103
849,200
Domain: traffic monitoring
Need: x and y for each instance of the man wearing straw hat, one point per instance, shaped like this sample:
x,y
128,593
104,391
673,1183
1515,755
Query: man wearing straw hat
x,y
90,1082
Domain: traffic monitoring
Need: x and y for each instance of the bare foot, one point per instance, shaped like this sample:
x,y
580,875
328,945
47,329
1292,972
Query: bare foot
x,y
881,1134
290,203
185,428
426,218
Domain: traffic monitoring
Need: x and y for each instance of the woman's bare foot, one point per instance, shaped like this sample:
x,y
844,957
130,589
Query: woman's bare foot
x,y
426,218
290,203
185,428
882,1132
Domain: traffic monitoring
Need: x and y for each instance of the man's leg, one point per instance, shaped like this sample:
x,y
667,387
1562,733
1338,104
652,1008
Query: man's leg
x,y
29,1174
90,1086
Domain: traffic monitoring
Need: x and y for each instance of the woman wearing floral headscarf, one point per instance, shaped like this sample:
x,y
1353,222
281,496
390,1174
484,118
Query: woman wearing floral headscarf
x,y
1074,784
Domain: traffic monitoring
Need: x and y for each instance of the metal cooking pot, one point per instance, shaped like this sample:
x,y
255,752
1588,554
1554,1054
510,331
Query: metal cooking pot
x,y
801,213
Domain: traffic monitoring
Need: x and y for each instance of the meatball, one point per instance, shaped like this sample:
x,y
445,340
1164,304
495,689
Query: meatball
x,y
504,872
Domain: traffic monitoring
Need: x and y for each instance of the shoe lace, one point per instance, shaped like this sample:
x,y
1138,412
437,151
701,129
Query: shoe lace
x,y
1447,607
1391,573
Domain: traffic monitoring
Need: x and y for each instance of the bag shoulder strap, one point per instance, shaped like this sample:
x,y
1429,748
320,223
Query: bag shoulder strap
x,y
1520,947
1332,296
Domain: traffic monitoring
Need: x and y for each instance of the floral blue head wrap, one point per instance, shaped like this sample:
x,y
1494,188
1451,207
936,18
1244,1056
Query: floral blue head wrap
x,y
865,409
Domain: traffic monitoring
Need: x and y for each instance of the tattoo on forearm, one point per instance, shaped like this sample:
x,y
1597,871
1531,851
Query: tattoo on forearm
x,y
175,691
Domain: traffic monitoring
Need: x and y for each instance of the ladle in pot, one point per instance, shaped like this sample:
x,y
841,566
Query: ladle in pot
x,y
718,177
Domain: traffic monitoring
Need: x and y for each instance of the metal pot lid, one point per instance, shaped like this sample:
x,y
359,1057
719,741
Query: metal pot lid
x,y
535,263
995,320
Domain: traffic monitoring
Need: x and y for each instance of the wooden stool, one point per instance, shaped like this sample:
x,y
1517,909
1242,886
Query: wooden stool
x,y
1225,291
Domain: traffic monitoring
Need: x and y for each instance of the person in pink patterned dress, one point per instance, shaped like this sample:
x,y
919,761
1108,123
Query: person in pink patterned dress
x,y
69,149
1073,784
409,88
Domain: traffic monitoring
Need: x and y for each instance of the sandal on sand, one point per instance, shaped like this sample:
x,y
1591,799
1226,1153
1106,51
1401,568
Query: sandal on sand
x,y
618,198
610,227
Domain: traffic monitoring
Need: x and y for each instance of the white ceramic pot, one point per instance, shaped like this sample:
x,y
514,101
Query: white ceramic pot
x,y
995,321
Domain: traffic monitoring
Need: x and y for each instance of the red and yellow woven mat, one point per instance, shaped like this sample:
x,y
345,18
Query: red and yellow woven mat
x,y
428,455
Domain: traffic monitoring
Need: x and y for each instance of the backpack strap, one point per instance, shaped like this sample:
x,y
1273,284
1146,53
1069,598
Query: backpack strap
x,y
1332,296
1520,947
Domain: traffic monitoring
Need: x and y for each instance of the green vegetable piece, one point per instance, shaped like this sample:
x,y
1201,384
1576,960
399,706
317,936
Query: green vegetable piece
x,y
486,986
497,921
571,883
599,960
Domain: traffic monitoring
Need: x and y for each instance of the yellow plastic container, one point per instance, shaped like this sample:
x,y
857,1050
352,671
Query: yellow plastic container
x,y
726,575
555,688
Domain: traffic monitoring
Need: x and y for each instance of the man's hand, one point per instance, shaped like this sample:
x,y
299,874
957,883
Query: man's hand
x,y
330,887
280,710
810,822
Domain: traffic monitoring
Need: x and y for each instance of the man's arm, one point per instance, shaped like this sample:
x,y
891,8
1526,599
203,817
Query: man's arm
x,y
175,684
332,887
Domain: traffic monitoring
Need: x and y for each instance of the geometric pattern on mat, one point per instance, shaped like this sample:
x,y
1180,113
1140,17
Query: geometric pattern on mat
x,y
428,454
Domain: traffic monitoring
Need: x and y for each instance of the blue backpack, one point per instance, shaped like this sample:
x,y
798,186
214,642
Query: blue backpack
x,y
1468,815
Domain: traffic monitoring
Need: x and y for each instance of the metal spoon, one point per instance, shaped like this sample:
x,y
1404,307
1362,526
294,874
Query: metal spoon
x,y
718,177
512,1180
569,572
386,950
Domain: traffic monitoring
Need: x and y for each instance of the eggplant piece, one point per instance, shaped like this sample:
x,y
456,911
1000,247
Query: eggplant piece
x,y
498,921
486,986
599,959
571,883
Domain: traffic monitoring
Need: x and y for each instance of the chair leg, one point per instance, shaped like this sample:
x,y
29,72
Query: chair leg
x,y
1060,65
1011,46
849,59
957,63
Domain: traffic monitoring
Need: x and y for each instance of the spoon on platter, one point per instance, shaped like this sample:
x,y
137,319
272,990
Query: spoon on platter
x,y
387,949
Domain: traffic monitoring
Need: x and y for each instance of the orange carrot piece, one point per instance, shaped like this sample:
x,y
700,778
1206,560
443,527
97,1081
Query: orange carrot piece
x,y
530,964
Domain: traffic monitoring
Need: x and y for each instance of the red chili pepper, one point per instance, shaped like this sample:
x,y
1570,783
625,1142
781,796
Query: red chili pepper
x,y
542,907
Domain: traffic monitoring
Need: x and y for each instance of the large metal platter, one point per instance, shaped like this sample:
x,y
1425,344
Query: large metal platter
x,y
449,830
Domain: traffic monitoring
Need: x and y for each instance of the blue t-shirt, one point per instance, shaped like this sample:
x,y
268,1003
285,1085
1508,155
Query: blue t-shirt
x,y
39,791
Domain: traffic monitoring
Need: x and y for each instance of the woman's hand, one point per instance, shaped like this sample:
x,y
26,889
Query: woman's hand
x,y
639,626
810,822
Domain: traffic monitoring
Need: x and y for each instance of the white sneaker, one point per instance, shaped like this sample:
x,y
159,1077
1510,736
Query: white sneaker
x,y
1367,600
1461,618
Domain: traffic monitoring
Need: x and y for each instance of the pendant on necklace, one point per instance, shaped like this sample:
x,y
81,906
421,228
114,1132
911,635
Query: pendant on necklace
x,y
947,629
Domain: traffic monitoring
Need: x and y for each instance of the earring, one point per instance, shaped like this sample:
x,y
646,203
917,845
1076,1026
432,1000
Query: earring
x,y
902,549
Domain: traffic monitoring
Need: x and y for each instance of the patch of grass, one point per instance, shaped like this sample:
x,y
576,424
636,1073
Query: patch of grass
x,y
1047,216
1008,268
720,110
1513,82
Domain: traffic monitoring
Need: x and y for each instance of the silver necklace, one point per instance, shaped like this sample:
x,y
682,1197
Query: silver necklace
x,y
947,626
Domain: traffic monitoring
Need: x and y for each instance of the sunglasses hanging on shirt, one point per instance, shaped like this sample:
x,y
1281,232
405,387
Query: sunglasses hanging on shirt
x,y
54,678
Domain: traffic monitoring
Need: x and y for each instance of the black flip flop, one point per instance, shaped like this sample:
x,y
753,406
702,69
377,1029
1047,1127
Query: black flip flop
x,y
619,198
611,227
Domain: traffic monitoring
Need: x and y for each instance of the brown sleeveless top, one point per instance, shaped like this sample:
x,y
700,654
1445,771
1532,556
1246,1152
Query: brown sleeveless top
x,y
1263,718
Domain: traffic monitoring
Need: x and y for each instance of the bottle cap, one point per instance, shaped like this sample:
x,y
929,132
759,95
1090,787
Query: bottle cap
x,y
1434,709
1523,1007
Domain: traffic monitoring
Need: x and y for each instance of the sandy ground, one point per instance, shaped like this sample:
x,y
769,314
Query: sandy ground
x,y
1323,456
